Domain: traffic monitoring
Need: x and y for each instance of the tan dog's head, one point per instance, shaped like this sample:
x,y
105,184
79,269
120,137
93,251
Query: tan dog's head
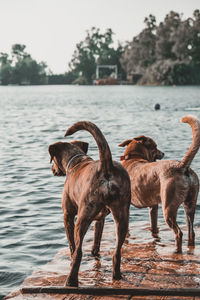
x,y
61,153
141,147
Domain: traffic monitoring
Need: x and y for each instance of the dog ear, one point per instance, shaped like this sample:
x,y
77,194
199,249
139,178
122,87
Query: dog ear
x,y
140,138
125,143
82,145
51,152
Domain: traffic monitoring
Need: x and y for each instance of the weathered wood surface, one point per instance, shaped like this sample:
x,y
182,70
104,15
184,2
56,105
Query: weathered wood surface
x,y
149,266
110,291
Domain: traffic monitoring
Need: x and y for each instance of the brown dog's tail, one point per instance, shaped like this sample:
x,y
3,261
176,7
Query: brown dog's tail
x,y
104,150
195,125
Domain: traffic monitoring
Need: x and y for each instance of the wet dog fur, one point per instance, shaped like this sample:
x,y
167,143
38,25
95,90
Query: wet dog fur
x,y
91,191
169,182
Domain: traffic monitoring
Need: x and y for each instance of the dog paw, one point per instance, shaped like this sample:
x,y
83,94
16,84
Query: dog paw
x,y
71,282
117,276
156,236
191,244
95,253
155,230
178,251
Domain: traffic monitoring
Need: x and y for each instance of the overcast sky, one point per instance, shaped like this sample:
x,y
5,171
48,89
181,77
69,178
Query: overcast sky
x,y
51,28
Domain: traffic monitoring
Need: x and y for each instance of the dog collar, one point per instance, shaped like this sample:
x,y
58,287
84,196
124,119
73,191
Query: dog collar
x,y
129,156
71,159
124,157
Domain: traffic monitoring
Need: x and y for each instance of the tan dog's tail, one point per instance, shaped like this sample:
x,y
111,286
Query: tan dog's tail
x,y
195,125
104,150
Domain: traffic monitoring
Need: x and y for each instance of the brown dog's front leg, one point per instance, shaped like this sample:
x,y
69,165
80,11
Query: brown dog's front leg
x,y
153,213
98,229
69,228
81,227
121,218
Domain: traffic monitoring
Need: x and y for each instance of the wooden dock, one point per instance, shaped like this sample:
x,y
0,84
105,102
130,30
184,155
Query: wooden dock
x,y
150,271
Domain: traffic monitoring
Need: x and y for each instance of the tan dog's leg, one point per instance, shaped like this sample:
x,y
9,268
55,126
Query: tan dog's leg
x,y
189,207
98,229
153,213
170,218
171,200
121,217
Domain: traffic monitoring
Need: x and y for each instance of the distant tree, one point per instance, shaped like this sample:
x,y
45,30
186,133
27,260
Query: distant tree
x,y
140,53
56,79
18,52
195,38
70,77
26,70
165,33
166,54
66,78
5,69
181,40
95,49
111,56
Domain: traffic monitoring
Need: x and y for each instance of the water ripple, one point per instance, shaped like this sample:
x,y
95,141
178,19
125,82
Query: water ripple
x,y
32,228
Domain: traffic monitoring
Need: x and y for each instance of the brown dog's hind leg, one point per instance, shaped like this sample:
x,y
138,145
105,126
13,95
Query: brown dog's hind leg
x,y
121,217
189,206
98,229
190,221
153,213
170,218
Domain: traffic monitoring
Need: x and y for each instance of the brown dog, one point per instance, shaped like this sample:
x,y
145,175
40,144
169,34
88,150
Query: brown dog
x,y
92,189
169,182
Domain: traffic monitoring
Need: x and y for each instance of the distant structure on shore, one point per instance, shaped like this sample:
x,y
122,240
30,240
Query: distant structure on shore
x,y
111,79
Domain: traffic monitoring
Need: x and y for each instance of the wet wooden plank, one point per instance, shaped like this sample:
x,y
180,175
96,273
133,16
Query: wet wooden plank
x,y
148,267
110,291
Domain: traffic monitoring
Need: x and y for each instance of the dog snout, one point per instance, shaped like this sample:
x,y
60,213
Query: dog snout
x,y
160,155
54,170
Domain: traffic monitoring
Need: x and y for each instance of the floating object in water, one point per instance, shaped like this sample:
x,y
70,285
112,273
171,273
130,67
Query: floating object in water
x,y
157,106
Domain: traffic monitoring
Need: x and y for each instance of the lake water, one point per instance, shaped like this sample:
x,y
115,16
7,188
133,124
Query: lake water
x,y
31,118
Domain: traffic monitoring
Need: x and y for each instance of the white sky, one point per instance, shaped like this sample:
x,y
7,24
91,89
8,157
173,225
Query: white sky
x,y
51,28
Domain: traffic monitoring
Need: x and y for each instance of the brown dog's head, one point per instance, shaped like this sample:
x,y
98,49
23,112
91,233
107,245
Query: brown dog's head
x,y
61,153
141,147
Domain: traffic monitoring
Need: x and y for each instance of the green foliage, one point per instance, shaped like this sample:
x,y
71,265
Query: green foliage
x,y
5,69
140,53
95,49
168,53
67,78
21,69
164,33
168,72
165,54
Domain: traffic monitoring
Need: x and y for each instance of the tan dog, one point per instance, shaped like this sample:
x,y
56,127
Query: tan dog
x,y
169,182
92,189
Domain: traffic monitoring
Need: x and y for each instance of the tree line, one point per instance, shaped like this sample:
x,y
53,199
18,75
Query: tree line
x,y
163,54
168,53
